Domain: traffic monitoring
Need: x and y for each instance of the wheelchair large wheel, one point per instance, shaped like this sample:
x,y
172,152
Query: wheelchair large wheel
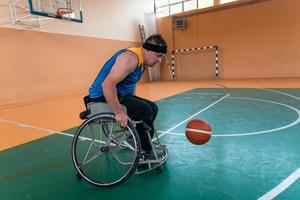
x,y
103,153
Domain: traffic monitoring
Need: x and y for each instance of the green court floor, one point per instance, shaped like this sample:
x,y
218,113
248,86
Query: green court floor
x,y
253,154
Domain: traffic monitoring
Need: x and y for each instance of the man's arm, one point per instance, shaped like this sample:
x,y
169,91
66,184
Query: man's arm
x,y
125,64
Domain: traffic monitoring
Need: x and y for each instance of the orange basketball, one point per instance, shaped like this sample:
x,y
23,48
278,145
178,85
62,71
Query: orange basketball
x,y
198,131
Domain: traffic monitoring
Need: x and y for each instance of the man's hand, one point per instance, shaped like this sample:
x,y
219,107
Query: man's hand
x,y
122,119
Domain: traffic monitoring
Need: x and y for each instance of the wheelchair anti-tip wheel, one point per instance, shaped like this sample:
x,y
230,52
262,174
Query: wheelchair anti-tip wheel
x,y
103,153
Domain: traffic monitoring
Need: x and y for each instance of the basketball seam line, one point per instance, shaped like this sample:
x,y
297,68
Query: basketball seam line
x,y
198,131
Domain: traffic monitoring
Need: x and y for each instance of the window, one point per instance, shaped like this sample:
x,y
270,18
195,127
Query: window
x,y
205,3
168,7
190,5
226,1
175,1
159,3
175,8
162,11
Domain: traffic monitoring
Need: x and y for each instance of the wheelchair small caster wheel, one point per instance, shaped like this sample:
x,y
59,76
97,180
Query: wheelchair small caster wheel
x,y
159,170
78,176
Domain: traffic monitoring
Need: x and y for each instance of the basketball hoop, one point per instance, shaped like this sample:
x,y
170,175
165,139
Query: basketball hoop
x,y
66,13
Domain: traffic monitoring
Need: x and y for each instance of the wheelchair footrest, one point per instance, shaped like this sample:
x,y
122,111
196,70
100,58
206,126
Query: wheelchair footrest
x,y
155,160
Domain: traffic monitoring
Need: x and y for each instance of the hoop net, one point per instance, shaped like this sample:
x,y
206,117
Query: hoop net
x,y
66,13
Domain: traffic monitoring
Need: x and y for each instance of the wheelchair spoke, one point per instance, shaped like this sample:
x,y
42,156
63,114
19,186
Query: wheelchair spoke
x,y
96,155
120,140
92,137
87,153
124,145
110,133
119,160
129,145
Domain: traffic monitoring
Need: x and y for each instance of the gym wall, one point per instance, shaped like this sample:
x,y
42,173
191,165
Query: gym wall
x,y
256,40
62,58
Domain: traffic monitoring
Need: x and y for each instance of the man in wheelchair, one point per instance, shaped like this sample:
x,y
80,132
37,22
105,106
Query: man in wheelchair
x,y
116,83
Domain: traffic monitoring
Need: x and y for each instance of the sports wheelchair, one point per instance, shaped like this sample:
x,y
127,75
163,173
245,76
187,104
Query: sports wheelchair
x,y
106,154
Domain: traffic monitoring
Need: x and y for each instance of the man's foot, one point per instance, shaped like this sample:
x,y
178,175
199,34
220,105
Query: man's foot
x,y
151,155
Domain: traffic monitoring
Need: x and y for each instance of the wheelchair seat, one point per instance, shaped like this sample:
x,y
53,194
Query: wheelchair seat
x,y
93,108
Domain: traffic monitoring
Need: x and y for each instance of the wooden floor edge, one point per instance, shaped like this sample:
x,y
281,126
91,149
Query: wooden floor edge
x,y
42,100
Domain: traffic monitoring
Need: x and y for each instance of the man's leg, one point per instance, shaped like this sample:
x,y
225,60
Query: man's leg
x,y
141,109
153,107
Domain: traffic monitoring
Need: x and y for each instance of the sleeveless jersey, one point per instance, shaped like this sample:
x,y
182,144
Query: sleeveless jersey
x,y
128,84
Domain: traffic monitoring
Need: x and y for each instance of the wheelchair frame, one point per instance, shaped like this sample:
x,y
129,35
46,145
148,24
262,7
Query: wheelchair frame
x,y
101,149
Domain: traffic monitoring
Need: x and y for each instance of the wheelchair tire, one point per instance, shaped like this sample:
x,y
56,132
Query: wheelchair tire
x,y
103,153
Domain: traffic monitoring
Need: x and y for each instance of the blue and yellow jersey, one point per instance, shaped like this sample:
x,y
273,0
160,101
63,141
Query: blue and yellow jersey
x,y
128,84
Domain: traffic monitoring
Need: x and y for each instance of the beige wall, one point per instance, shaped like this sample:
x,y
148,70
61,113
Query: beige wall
x,y
37,65
256,40
105,19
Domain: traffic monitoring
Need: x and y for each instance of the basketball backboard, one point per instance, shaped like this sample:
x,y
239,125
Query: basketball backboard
x,y
59,9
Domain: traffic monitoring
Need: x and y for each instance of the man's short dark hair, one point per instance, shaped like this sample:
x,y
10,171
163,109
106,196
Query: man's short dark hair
x,y
156,39
156,43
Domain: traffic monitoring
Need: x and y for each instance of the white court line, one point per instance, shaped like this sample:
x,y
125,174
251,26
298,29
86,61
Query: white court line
x,y
298,98
47,130
207,107
169,131
35,127
187,93
256,132
282,186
